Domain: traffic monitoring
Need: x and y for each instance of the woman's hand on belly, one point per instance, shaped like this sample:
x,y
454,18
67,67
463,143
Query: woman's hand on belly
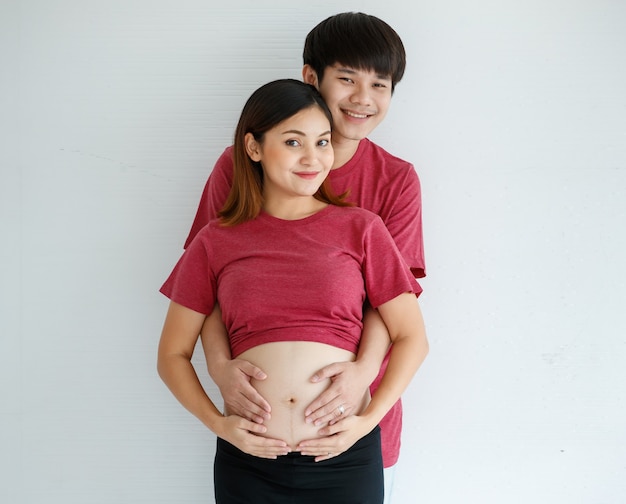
x,y
250,437
337,438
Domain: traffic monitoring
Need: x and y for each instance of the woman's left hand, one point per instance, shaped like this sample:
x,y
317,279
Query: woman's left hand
x,y
338,438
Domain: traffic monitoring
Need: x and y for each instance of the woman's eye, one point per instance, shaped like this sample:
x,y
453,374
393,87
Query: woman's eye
x,y
292,143
323,143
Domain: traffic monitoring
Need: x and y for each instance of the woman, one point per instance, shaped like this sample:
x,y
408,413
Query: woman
x,y
291,265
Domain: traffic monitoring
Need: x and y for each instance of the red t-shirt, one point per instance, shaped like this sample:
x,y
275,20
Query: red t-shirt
x,y
312,274
377,181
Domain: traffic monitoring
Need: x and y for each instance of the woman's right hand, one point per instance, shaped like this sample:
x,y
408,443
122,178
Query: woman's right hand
x,y
244,434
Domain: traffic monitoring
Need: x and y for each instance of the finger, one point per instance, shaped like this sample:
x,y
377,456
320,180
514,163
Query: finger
x,y
328,372
270,451
328,447
326,456
248,409
323,404
251,370
320,447
254,428
331,430
330,413
253,397
248,403
265,447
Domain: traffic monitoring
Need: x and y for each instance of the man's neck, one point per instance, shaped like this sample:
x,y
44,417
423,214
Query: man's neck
x,y
344,150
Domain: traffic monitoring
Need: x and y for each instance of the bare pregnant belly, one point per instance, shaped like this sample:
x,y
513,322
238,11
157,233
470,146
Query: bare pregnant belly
x,y
288,388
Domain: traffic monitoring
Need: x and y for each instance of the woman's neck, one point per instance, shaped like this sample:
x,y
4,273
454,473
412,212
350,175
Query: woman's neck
x,y
293,208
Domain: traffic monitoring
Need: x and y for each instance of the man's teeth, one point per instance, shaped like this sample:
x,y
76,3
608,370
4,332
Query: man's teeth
x,y
353,114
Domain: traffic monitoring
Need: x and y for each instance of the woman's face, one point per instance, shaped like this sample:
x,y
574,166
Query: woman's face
x,y
296,155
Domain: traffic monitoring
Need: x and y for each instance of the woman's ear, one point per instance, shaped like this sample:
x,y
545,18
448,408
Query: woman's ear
x,y
309,76
252,147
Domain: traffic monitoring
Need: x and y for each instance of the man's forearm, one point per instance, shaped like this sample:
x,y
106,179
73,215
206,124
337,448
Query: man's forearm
x,y
373,346
215,344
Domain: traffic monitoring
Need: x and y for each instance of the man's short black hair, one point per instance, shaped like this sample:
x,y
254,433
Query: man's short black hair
x,y
356,40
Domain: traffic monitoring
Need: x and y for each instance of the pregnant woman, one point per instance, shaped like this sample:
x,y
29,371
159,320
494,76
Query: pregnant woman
x,y
291,266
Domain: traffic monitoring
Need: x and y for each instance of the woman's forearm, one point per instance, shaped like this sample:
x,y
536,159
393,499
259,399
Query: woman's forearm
x,y
178,373
408,351
179,336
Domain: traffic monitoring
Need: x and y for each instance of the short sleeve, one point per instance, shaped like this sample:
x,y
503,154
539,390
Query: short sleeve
x,y
192,282
386,273
405,223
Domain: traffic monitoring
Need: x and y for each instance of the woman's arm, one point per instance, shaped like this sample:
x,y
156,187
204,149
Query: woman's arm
x,y
178,339
232,376
403,318
350,380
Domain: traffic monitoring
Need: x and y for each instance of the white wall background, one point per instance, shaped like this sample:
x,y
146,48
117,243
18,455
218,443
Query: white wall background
x,y
514,113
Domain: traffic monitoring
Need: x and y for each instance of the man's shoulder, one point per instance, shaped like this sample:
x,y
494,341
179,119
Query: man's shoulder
x,y
225,161
382,159
373,149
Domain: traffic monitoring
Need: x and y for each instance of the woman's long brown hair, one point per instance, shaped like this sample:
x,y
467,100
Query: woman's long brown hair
x,y
268,106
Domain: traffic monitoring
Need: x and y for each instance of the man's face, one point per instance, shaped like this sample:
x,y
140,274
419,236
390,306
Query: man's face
x,y
358,100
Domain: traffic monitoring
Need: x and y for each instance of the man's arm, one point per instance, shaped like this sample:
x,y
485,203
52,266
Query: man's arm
x,y
350,380
232,376
409,349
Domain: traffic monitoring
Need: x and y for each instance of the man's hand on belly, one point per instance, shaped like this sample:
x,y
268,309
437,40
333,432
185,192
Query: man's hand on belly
x,y
342,398
240,397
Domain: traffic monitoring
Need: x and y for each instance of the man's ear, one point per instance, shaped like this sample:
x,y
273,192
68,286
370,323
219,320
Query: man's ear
x,y
309,76
252,147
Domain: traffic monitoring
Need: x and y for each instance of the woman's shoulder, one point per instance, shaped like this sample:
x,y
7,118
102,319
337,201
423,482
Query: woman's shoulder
x,y
355,211
354,215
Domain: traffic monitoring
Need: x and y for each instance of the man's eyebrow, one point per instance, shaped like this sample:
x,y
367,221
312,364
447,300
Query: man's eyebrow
x,y
346,70
351,71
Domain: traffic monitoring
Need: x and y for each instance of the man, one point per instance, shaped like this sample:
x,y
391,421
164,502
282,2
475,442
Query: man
x,y
355,60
